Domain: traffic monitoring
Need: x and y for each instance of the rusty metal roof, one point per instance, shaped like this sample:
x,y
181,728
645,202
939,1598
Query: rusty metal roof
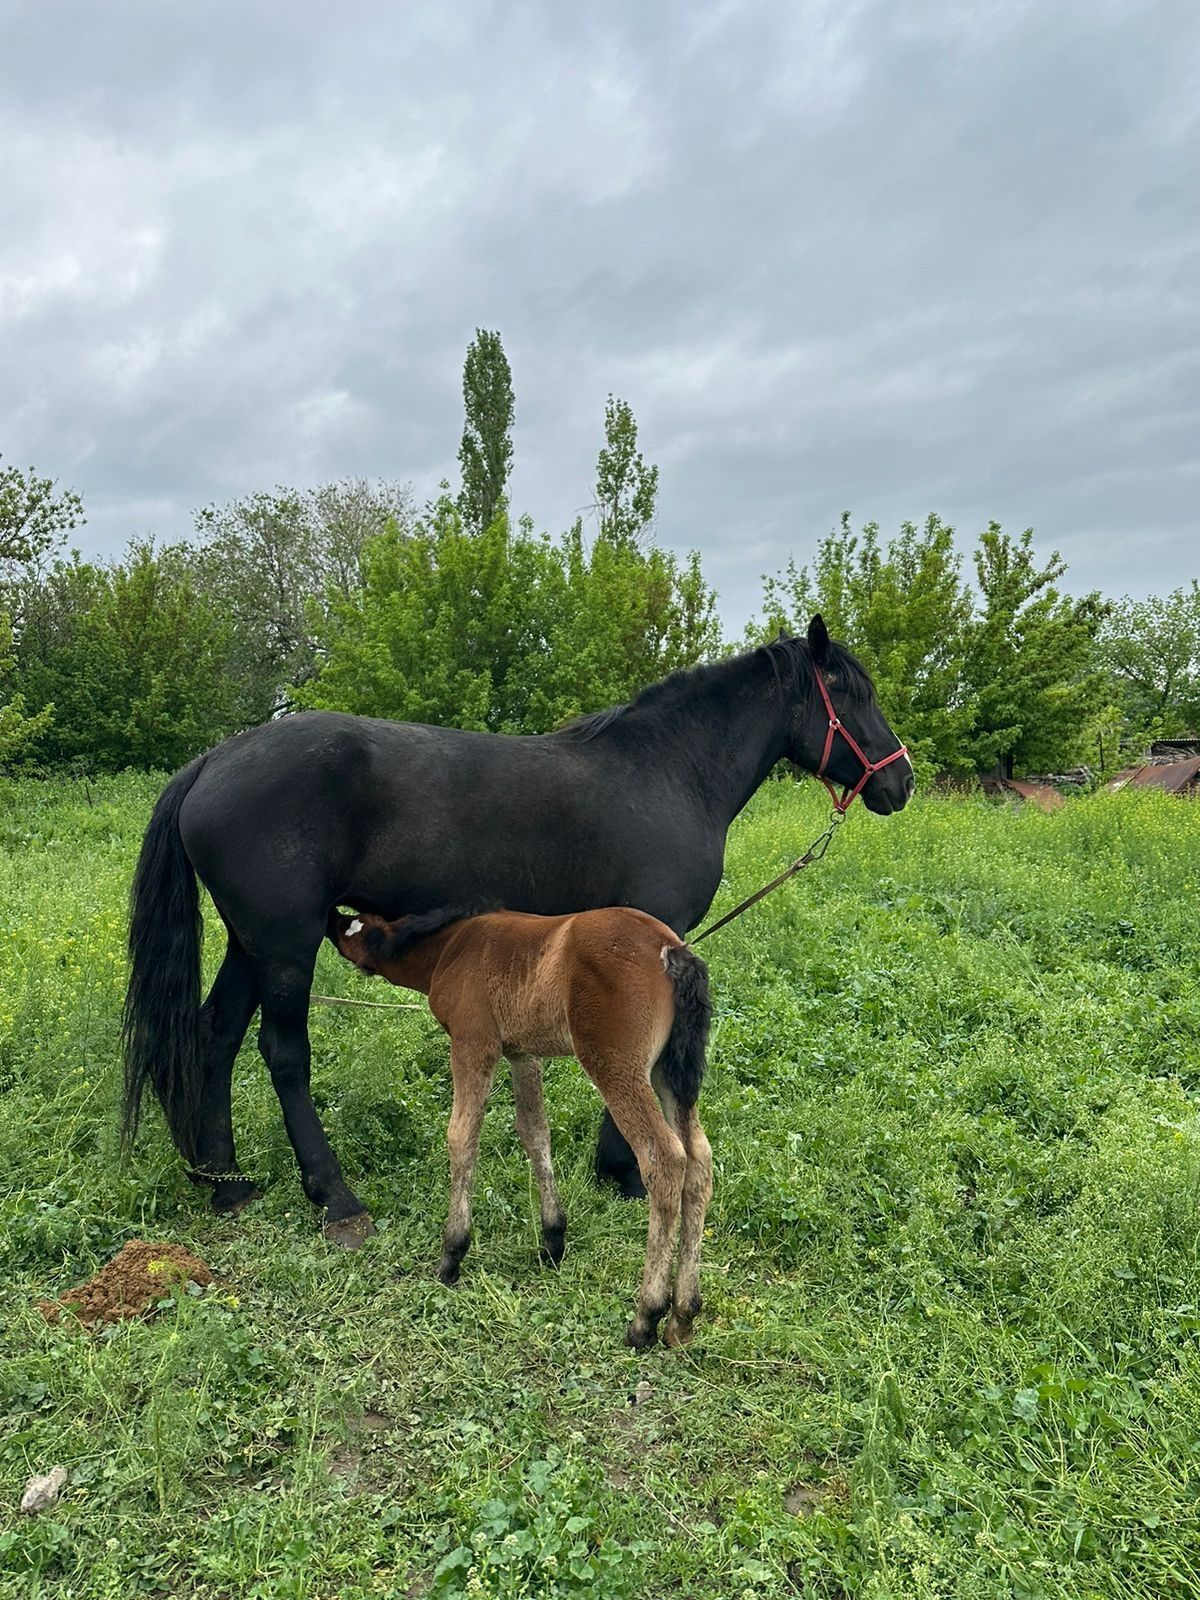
x,y
1038,794
1174,777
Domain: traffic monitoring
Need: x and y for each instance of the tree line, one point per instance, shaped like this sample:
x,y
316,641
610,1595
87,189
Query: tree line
x,y
351,597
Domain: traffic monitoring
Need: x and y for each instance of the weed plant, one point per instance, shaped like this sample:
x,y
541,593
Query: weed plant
x,y
951,1344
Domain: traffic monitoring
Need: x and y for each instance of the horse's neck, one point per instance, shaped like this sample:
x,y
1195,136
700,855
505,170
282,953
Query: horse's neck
x,y
722,731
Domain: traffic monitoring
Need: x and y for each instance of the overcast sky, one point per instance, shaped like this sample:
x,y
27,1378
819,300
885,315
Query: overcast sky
x,y
890,258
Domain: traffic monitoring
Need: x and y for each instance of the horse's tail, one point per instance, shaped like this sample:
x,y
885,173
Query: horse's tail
x,y
161,1024
682,1058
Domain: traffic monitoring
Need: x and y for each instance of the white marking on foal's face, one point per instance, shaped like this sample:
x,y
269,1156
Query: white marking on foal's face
x,y
353,927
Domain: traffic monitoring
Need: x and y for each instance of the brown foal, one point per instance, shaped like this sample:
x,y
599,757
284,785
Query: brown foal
x,y
617,989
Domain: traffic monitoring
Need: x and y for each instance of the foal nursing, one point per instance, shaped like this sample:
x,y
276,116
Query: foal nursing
x,y
617,989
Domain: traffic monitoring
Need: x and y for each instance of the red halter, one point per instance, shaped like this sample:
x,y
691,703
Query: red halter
x,y
870,768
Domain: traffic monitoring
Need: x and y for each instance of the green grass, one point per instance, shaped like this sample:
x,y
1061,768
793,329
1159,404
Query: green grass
x,y
951,1345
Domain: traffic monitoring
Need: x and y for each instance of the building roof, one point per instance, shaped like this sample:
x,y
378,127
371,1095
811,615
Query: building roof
x,y
1038,794
1174,777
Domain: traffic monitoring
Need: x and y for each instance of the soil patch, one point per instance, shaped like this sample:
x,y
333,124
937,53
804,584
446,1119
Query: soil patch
x,y
132,1283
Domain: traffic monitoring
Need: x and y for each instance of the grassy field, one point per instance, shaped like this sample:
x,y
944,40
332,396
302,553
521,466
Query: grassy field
x,y
952,1336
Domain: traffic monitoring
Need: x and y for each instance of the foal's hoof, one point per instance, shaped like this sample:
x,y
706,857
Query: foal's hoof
x,y
350,1232
230,1198
679,1330
639,1336
553,1244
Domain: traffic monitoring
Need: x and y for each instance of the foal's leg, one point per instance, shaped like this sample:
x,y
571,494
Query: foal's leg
x,y
283,1040
472,1065
224,1018
534,1133
697,1192
662,1161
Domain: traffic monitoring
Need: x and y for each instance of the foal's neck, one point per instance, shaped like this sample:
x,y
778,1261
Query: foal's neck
x,y
414,968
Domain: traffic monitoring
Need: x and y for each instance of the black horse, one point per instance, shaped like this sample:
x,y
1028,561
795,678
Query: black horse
x,y
627,807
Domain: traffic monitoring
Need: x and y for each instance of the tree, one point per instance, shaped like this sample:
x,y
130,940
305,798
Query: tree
x,y
485,453
18,732
1151,650
448,627
626,617
904,609
505,630
270,562
1031,661
130,658
626,488
33,515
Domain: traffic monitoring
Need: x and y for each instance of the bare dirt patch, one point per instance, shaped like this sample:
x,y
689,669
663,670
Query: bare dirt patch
x,y
132,1283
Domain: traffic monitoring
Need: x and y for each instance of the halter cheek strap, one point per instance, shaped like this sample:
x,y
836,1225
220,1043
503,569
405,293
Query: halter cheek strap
x,y
870,768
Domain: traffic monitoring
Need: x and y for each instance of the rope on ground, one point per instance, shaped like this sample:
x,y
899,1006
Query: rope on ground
x,y
373,1005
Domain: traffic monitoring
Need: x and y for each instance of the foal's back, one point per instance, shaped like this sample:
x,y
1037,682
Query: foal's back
x,y
547,985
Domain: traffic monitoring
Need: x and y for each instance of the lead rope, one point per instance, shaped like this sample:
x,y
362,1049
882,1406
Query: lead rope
x,y
814,853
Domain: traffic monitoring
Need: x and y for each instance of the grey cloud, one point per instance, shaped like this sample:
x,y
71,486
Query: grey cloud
x,y
854,255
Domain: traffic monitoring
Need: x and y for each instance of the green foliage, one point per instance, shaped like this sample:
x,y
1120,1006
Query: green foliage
x,y
130,659
485,454
906,610
1031,661
626,488
951,1340
1151,649
447,627
1008,676
34,516
267,562
540,1536
504,630
18,731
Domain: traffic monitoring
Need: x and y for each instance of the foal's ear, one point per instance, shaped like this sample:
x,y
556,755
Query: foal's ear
x,y
818,640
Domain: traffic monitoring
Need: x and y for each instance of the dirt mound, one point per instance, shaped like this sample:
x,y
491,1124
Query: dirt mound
x,y
136,1278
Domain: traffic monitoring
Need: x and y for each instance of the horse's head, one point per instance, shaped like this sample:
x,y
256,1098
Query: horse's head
x,y
826,727
360,938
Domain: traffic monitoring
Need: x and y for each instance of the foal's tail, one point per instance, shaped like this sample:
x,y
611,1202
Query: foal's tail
x,y
161,1024
682,1059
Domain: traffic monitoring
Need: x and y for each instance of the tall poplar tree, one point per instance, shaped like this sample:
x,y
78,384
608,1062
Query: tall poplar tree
x,y
486,451
626,488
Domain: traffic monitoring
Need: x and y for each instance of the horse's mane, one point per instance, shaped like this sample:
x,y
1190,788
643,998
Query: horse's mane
x,y
791,663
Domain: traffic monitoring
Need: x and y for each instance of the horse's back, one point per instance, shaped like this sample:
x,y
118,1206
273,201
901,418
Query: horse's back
x,y
325,802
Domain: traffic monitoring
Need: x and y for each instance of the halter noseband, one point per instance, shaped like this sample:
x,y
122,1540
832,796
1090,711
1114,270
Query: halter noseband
x,y
870,768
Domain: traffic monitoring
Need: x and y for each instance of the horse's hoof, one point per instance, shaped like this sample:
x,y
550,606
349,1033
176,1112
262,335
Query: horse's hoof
x,y
447,1273
640,1337
230,1198
350,1232
678,1331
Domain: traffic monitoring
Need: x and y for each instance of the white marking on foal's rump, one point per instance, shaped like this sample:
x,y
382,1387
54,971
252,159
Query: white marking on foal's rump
x,y
665,952
354,927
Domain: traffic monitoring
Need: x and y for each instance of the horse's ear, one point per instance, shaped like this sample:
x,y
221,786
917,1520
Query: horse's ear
x,y
818,640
